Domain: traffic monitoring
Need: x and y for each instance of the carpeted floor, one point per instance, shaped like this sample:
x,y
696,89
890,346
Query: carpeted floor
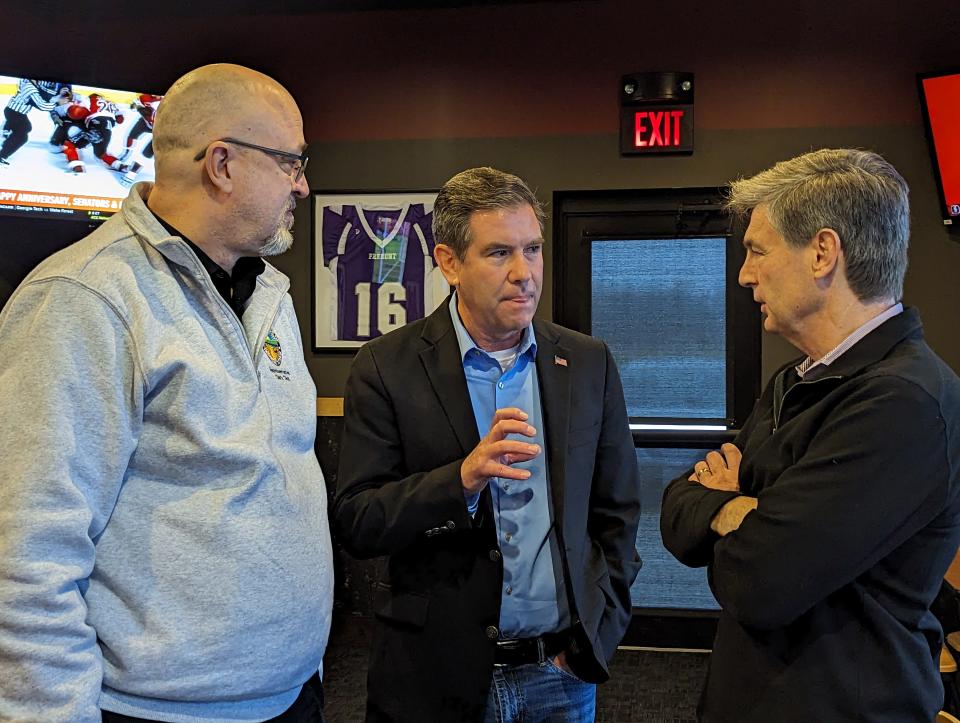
x,y
645,687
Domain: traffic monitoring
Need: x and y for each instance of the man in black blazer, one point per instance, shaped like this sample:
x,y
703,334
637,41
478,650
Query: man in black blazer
x,y
489,457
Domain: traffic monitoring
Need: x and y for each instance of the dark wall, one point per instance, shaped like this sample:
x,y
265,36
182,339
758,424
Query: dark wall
x,y
589,162
404,99
25,242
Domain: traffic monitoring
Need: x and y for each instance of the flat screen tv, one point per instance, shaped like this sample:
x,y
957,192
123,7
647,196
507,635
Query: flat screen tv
x,y
940,100
72,151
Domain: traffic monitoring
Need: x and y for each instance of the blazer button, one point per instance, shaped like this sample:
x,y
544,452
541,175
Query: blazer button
x,y
450,524
495,556
491,632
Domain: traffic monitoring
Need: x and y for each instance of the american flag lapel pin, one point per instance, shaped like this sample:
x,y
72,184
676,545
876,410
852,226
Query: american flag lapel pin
x,y
559,361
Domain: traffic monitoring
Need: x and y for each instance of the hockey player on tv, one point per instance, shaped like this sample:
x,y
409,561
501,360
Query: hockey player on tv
x,y
146,105
86,123
30,95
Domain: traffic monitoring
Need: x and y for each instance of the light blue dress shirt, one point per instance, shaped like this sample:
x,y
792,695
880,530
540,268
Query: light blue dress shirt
x,y
532,601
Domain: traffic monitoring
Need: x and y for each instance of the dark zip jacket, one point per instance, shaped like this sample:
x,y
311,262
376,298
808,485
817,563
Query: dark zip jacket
x,y
826,587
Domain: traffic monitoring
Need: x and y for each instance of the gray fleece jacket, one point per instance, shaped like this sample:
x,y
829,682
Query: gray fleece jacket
x,y
164,546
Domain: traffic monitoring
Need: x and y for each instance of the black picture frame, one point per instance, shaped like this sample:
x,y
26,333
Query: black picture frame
x,y
324,280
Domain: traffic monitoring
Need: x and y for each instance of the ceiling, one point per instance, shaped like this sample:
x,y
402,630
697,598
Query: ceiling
x,y
211,8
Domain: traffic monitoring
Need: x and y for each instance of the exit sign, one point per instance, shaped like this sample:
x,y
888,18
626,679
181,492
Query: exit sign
x,y
656,129
656,113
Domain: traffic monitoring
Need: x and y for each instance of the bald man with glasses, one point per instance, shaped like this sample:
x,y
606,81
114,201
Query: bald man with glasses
x,y
164,548
293,163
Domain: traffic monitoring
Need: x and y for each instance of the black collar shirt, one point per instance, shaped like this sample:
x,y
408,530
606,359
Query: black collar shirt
x,y
236,288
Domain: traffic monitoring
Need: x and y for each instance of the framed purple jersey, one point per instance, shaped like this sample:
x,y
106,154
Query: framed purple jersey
x,y
373,265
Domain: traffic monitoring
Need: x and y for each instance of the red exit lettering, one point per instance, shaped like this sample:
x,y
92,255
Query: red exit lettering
x,y
657,128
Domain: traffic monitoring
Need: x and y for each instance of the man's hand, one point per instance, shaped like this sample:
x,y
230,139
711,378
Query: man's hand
x,y
719,471
561,662
729,517
495,453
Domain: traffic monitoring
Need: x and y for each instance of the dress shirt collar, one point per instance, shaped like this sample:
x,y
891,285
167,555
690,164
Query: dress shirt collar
x,y
528,341
808,365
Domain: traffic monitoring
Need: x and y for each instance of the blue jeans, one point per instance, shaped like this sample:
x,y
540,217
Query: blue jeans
x,y
539,692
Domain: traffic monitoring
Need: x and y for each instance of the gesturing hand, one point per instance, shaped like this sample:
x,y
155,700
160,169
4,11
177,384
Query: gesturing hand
x,y
719,471
495,453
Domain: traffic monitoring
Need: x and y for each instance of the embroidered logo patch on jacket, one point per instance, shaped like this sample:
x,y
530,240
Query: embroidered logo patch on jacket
x,y
271,346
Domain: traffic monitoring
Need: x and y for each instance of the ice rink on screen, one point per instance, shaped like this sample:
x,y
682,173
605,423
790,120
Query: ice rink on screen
x,y
42,168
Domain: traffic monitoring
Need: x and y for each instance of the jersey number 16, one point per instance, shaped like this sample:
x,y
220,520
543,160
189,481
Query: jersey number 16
x,y
391,312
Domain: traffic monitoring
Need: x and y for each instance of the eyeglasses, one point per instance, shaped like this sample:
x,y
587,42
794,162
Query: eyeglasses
x,y
297,163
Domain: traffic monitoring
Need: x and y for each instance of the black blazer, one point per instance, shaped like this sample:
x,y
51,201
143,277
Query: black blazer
x,y
408,426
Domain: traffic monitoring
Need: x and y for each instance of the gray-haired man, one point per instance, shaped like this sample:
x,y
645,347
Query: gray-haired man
x,y
829,522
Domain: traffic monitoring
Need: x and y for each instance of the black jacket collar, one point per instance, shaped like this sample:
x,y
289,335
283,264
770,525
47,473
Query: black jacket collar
x,y
875,345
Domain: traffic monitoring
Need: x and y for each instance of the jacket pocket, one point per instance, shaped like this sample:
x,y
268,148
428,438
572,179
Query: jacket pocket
x,y
606,586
